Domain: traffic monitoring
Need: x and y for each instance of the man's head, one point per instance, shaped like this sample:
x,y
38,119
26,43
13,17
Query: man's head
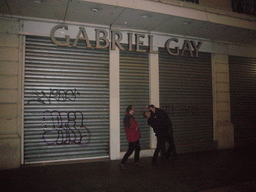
x,y
146,114
130,109
152,108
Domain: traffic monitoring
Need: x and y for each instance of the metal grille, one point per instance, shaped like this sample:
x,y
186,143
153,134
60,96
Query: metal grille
x,y
186,94
134,90
66,101
243,99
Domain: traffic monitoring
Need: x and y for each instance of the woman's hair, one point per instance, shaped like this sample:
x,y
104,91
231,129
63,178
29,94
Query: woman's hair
x,y
129,108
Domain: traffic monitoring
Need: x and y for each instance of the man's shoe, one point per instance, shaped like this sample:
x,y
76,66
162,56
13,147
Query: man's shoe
x,y
122,166
154,163
168,160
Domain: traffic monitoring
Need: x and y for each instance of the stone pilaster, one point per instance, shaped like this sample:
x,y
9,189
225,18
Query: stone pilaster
x,y
223,128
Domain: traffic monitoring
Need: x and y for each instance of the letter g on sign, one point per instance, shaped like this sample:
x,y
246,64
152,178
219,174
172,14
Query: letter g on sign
x,y
54,40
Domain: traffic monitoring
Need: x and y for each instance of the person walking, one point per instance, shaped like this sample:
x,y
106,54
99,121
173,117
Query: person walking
x,y
133,137
166,124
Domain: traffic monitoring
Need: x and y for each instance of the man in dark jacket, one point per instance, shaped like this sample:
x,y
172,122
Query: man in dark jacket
x,y
166,124
160,133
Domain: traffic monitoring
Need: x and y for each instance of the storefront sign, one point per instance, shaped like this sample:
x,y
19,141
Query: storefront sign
x,y
116,38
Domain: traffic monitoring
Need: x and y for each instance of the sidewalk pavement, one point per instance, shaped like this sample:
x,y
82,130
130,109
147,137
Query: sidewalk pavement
x,y
232,170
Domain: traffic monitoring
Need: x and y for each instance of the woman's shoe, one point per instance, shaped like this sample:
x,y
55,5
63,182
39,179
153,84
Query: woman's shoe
x,y
122,166
138,164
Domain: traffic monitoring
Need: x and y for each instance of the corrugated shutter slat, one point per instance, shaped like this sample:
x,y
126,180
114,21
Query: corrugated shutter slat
x,y
186,94
243,99
66,101
134,90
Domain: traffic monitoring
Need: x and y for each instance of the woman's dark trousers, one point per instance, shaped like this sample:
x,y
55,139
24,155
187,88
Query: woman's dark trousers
x,y
132,146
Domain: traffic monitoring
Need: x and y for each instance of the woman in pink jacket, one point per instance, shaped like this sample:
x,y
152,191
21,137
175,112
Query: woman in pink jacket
x,y
133,137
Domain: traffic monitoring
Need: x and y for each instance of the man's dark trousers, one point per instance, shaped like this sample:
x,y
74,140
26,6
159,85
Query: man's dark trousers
x,y
160,146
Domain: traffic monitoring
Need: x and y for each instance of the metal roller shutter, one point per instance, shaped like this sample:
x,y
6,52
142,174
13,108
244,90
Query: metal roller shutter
x,y
186,94
243,99
134,90
66,101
